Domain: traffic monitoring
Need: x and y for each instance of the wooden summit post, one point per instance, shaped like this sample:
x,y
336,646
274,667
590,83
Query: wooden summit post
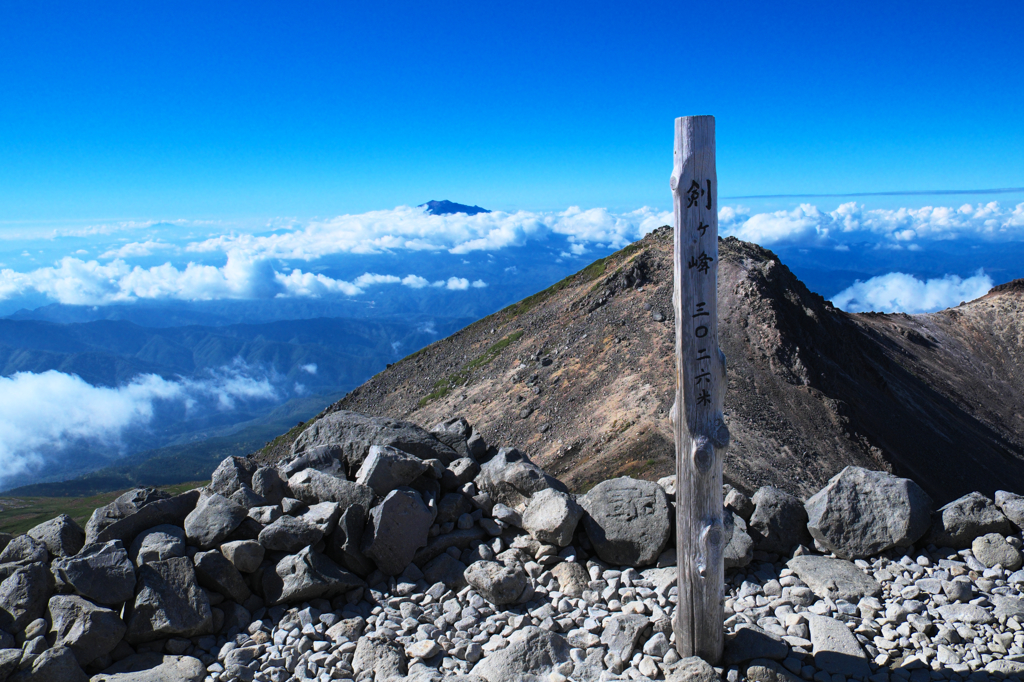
x,y
700,432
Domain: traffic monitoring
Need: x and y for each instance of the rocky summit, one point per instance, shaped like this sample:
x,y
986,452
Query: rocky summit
x,y
378,550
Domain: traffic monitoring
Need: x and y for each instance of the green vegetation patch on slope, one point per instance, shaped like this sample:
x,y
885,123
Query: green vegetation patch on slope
x,y
443,387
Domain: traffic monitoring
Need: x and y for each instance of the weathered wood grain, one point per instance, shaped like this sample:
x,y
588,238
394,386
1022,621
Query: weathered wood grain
x,y
700,432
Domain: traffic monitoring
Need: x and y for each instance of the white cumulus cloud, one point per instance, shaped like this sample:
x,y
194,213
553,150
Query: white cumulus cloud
x,y
41,414
899,292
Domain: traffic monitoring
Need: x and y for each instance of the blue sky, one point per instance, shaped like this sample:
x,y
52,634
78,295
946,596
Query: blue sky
x,y
247,111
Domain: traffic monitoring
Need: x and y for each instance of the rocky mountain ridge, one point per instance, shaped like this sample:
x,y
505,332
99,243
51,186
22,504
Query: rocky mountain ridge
x,y
581,376
377,550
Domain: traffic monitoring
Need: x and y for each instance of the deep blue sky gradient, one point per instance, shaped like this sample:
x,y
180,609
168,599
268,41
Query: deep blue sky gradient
x,y
253,110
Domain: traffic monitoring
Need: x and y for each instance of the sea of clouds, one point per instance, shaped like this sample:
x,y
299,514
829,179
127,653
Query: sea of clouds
x,y
42,415
280,263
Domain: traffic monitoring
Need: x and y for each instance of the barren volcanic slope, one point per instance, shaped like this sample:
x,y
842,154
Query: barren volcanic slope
x,y
580,377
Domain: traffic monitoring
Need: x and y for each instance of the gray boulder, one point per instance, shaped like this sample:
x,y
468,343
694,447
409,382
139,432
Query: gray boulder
x,y
459,473
532,654
231,475
694,669
445,569
153,667
834,578
213,520
739,547
53,665
1012,506
836,649
347,437
9,660
750,642
452,506
25,549
779,521
454,433
245,555
215,572
136,511
313,487
992,549
343,545
497,583
738,503
23,596
268,483
622,633
385,658
551,517
396,528
157,544
307,575
511,479
289,534
90,631
247,498
62,535
101,573
861,513
168,603
627,521
959,522
386,468
324,516
572,578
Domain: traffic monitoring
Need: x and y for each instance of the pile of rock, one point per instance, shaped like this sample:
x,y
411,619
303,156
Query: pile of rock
x,y
379,550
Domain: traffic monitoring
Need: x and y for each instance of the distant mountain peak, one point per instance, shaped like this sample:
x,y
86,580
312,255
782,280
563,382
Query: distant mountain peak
x,y
446,207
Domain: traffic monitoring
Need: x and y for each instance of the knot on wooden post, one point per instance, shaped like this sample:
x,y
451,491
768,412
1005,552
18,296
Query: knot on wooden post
x,y
697,415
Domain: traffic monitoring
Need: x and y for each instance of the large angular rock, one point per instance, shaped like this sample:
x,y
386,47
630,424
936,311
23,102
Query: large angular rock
x,y
245,555
213,520
532,654
551,517
169,603
627,521
25,549
511,479
834,578
348,436
289,534
324,516
446,569
343,545
497,583
779,521
455,433
62,535
312,487
215,572
90,631
992,549
396,528
459,473
157,544
57,665
232,474
307,575
385,658
751,642
386,468
153,667
861,513
268,483
23,596
959,522
1012,506
739,548
836,649
136,511
101,573
622,633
